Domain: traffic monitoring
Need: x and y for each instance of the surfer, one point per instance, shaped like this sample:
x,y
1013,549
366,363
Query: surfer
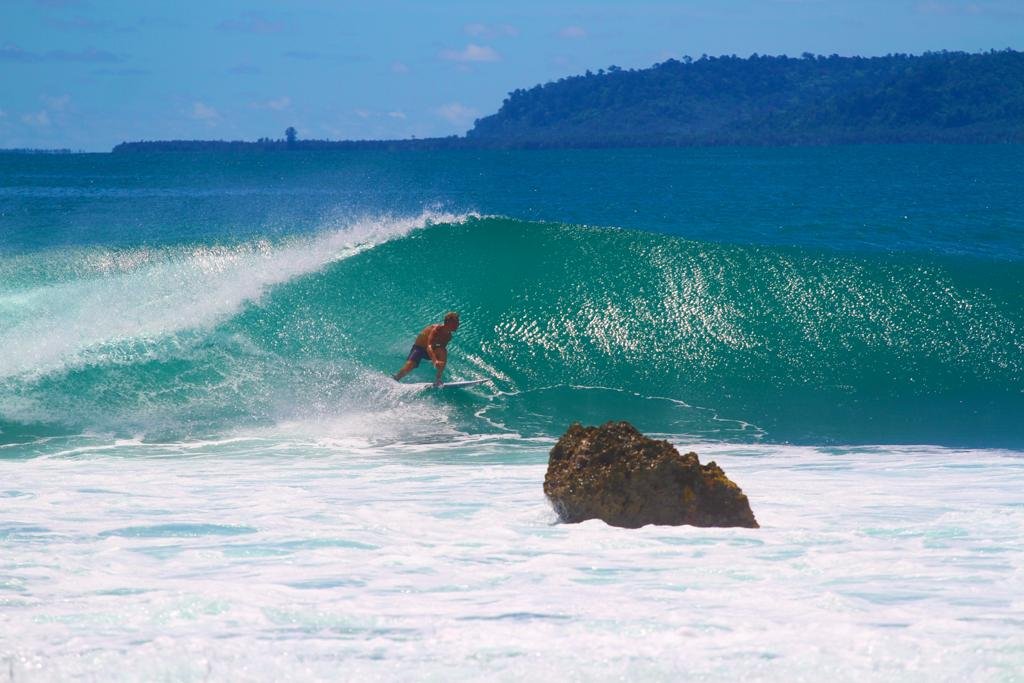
x,y
431,343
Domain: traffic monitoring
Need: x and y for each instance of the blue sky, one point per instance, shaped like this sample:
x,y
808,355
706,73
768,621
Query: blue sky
x,y
87,74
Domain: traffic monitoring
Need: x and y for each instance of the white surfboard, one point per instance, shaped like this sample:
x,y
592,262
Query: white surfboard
x,y
450,385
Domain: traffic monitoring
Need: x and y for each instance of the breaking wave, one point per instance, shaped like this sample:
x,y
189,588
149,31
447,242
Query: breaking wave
x,y
727,342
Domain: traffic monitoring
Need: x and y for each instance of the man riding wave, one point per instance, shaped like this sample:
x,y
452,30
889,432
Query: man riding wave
x,y
431,343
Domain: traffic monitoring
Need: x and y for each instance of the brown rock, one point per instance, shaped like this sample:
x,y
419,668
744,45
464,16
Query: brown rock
x,y
616,474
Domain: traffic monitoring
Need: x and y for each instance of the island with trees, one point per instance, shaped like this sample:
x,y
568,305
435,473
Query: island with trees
x,y
953,97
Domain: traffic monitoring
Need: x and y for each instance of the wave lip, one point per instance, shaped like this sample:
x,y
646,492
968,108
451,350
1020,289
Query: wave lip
x,y
719,342
112,305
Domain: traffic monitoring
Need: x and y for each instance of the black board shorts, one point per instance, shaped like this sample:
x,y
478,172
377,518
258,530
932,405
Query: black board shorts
x,y
417,354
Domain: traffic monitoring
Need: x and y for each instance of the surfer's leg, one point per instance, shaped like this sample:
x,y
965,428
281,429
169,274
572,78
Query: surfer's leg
x,y
415,356
406,369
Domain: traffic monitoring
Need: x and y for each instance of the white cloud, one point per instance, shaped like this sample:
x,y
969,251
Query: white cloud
x,y
39,119
457,113
940,7
400,68
245,70
204,112
79,23
392,114
334,132
471,53
573,32
280,104
13,53
362,113
478,30
564,62
56,103
972,9
251,22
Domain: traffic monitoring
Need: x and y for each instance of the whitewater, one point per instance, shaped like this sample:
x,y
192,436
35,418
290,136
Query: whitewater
x,y
206,472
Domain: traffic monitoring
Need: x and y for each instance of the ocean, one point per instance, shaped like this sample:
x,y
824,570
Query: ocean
x,y
206,472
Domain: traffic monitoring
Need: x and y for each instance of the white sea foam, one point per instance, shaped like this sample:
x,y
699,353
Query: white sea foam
x,y
275,557
109,297
370,411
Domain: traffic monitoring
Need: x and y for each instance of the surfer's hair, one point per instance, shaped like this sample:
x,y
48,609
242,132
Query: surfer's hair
x,y
451,315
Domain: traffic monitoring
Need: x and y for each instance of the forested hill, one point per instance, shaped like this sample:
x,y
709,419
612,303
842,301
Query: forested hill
x,y
761,100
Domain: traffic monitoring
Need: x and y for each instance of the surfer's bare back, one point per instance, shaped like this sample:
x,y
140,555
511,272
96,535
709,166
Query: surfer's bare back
x,y
431,343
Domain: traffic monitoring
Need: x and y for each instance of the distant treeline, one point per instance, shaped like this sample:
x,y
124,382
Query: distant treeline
x,y
760,100
30,150
268,145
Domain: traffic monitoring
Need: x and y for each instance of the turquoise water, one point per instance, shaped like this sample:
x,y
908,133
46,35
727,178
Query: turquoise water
x,y
835,295
208,474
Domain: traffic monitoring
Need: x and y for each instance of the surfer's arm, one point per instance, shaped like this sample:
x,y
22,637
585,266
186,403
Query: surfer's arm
x,y
430,346
440,359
